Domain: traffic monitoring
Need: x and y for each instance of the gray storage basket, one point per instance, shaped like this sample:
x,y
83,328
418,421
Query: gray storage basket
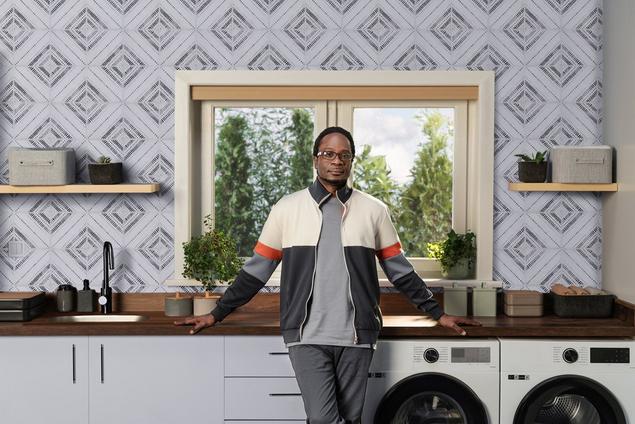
x,y
41,166
581,164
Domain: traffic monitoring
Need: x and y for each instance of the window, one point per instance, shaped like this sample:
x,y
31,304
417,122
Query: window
x,y
410,144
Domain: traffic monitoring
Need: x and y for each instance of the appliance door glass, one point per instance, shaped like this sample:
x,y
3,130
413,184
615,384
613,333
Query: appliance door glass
x,y
430,399
569,400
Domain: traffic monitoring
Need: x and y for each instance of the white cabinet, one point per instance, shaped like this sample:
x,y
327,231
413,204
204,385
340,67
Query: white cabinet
x,y
156,379
259,381
44,379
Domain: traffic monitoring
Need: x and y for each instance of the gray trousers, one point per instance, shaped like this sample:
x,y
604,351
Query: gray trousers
x,y
332,381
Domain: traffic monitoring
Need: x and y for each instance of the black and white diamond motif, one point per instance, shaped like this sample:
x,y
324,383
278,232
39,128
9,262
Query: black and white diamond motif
x,y
123,212
561,6
196,59
50,6
14,29
122,6
305,29
86,29
524,102
342,59
269,6
488,59
500,212
81,167
232,29
159,29
269,58
488,6
50,135
196,6
560,274
159,169
524,248
158,102
560,133
85,248
561,212
124,280
500,139
451,29
50,213
158,249
591,29
524,29
591,102
122,65
86,102
4,172
48,279
415,59
15,248
342,6
561,65
50,65
415,6
15,102
123,138
378,29
591,248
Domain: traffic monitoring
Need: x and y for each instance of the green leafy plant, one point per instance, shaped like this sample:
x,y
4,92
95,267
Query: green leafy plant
x,y
454,248
538,157
103,159
211,257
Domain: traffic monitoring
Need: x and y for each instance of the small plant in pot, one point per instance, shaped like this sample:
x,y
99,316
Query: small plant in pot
x,y
457,255
532,169
210,258
105,172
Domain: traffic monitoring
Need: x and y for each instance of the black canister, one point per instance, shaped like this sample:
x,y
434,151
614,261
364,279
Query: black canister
x,y
66,298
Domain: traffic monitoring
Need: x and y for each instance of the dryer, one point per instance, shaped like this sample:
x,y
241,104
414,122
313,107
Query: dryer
x,y
567,381
417,381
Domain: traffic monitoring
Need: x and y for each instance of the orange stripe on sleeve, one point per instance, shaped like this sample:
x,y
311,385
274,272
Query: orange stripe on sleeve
x,y
389,252
268,252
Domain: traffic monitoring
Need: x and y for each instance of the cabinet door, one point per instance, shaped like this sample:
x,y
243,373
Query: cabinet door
x,y
156,379
44,380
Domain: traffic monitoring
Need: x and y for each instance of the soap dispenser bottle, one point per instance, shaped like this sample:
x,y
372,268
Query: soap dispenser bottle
x,y
86,299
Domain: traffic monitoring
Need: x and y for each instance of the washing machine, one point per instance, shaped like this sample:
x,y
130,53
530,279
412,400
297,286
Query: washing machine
x,y
429,381
567,381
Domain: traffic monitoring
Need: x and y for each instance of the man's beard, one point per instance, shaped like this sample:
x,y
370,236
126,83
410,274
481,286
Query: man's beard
x,y
336,183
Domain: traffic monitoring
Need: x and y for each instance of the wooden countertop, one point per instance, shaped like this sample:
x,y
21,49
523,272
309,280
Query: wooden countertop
x,y
260,317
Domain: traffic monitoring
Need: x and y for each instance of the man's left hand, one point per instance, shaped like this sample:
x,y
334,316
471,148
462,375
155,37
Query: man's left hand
x,y
451,321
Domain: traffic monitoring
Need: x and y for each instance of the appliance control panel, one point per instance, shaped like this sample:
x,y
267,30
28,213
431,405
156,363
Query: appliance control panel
x,y
478,355
610,355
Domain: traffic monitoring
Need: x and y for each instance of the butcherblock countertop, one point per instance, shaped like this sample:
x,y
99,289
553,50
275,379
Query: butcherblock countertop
x,y
260,317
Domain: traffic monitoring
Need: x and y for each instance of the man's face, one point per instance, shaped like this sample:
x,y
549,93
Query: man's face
x,y
334,171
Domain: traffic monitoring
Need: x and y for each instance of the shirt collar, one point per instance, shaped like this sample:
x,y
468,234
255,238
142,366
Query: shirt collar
x,y
320,193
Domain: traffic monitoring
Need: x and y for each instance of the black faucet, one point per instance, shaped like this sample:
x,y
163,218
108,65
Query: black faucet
x,y
105,299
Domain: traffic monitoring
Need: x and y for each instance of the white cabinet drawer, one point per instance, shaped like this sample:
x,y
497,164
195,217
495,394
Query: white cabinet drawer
x,y
255,356
263,399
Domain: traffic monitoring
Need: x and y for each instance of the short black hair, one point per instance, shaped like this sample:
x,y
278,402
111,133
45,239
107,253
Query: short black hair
x,y
331,130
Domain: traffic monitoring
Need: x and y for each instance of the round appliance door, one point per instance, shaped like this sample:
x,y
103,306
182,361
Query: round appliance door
x,y
430,399
569,399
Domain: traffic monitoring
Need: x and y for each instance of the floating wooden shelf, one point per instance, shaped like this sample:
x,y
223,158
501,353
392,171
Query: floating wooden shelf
x,y
81,188
561,187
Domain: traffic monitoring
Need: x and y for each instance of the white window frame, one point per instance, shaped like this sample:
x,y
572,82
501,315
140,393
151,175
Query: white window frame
x,y
192,154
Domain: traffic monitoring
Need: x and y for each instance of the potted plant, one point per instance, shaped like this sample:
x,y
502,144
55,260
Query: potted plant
x,y
457,255
532,169
210,258
105,172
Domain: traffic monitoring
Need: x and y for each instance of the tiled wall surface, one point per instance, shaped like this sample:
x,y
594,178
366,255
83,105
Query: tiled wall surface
x,y
98,76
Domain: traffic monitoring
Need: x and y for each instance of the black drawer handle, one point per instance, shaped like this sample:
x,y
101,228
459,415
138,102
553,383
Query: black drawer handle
x,y
278,353
285,394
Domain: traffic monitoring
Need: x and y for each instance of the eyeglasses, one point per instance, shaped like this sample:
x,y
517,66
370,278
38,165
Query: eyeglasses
x,y
330,155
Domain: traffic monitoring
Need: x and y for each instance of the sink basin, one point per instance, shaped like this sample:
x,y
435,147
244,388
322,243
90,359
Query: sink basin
x,y
99,318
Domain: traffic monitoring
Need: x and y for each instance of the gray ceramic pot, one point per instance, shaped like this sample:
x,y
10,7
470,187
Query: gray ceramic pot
x,y
105,173
460,271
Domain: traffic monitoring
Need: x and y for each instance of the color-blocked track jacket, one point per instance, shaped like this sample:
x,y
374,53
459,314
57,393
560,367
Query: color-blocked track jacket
x,y
291,234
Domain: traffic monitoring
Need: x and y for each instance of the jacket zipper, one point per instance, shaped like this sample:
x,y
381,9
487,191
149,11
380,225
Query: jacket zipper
x,y
350,293
306,304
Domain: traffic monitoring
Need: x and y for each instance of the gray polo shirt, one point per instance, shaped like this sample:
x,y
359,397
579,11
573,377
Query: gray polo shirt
x,y
330,315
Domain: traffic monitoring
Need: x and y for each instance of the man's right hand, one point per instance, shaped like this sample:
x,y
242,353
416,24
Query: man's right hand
x,y
199,322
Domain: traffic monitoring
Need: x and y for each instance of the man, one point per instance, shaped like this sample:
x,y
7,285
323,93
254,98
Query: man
x,y
327,237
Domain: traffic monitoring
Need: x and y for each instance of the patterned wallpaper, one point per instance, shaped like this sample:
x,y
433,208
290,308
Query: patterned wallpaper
x,y
98,76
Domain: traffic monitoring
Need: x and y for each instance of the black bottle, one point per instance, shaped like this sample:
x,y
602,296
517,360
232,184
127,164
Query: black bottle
x,y
86,299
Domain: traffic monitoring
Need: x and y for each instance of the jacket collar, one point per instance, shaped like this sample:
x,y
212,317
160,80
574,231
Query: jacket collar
x,y
320,193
